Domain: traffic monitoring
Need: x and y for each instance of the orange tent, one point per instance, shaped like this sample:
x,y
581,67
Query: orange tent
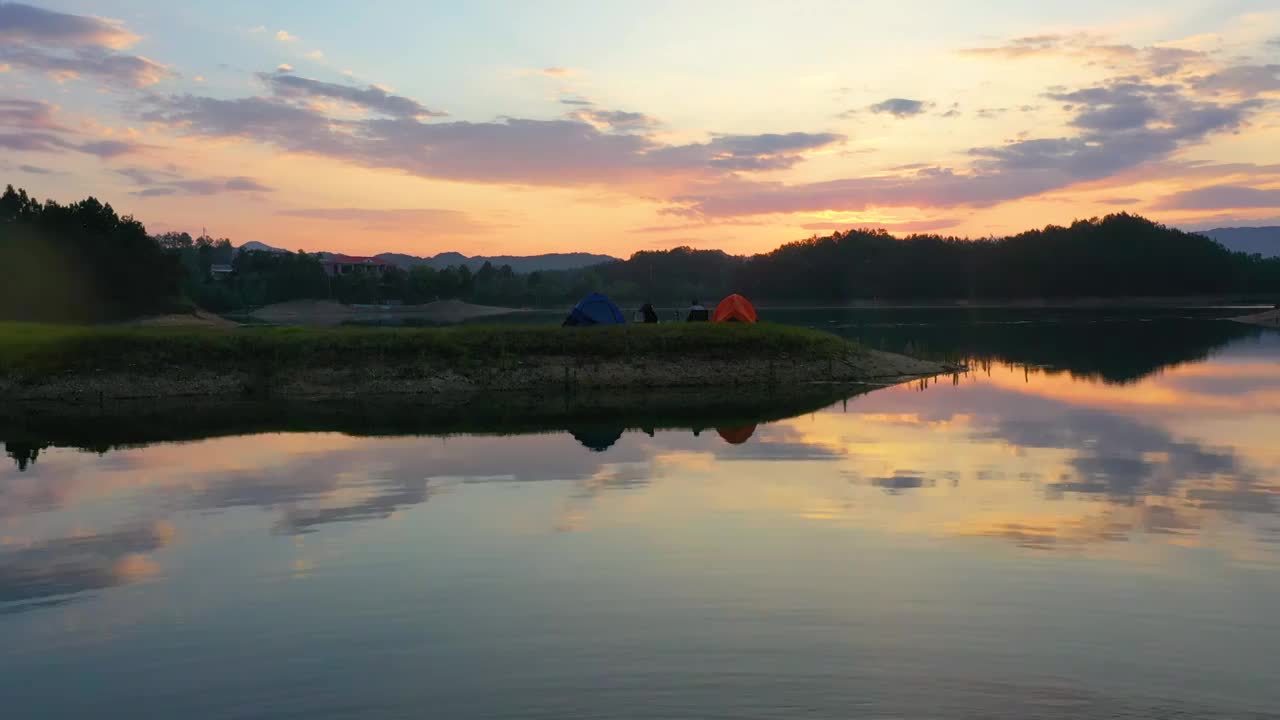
x,y
737,435
734,308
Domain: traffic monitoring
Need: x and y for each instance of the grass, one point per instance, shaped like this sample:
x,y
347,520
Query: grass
x,y
31,349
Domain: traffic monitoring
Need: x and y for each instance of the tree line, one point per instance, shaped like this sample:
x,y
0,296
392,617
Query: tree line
x,y
84,262
80,262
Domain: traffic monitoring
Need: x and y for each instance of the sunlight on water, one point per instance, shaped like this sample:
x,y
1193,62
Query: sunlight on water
x,y
1015,541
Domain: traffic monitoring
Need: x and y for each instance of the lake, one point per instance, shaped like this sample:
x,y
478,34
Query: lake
x,y
1084,525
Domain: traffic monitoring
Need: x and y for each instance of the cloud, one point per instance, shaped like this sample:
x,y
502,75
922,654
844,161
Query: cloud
x,y
285,37
107,148
685,227
616,119
1121,125
899,107
158,183
556,72
111,67
900,481
1220,197
1028,46
72,46
575,101
28,114
562,152
314,55
26,24
241,183
32,142
911,226
1093,49
373,98
424,220
990,113
34,170
739,153
29,126
1246,80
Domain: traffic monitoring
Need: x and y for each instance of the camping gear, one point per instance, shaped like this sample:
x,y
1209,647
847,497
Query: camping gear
x,y
594,309
737,435
597,439
734,308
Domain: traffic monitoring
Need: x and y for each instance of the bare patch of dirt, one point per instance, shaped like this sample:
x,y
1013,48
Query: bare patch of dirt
x,y
327,312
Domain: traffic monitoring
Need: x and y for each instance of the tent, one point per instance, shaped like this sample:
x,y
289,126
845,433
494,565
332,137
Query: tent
x,y
594,309
737,435
597,439
734,308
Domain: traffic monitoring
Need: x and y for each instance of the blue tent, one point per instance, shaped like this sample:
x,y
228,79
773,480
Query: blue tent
x,y
595,309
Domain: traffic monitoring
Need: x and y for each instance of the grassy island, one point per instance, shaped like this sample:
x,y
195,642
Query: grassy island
x,y
39,361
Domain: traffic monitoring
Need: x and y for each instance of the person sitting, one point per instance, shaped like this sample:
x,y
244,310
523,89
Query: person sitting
x,y
698,313
650,316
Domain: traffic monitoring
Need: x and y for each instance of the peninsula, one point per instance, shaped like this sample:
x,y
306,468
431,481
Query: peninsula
x,y
99,363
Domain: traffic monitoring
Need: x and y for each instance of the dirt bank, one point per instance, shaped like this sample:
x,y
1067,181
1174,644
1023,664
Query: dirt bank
x,y
433,378
1269,318
198,318
325,313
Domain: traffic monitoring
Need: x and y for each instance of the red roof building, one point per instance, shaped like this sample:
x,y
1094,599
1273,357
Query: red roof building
x,y
347,264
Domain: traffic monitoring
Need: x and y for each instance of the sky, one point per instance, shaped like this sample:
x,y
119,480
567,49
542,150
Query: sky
x,y
618,126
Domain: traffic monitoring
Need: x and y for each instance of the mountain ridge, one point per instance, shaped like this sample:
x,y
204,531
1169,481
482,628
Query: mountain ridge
x,y
439,261
1262,240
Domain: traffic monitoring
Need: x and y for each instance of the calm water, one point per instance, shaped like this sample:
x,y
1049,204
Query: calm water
x,y
1085,525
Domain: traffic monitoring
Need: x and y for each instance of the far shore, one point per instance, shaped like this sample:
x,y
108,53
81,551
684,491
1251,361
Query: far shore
x,y
327,313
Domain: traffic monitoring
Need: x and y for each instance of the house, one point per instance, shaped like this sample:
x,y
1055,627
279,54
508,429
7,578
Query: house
x,y
217,271
335,265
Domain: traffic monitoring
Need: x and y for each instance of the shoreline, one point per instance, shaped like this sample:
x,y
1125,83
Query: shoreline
x,y
93,365
869,367
132,422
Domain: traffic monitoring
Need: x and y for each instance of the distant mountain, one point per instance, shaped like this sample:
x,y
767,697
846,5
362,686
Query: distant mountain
x,y
1264,241
519,263
255,245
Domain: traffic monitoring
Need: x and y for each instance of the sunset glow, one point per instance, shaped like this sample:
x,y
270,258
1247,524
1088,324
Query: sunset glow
x,y
545,127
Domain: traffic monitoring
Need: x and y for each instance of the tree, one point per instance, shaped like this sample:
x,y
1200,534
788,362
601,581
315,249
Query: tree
x,y
80,262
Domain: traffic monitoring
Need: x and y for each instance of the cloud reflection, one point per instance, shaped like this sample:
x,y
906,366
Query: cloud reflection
x,y
42,573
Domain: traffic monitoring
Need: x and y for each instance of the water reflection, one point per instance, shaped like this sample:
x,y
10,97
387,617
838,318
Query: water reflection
x,y
737,435
1136,521
31,574
1114,345
597,439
